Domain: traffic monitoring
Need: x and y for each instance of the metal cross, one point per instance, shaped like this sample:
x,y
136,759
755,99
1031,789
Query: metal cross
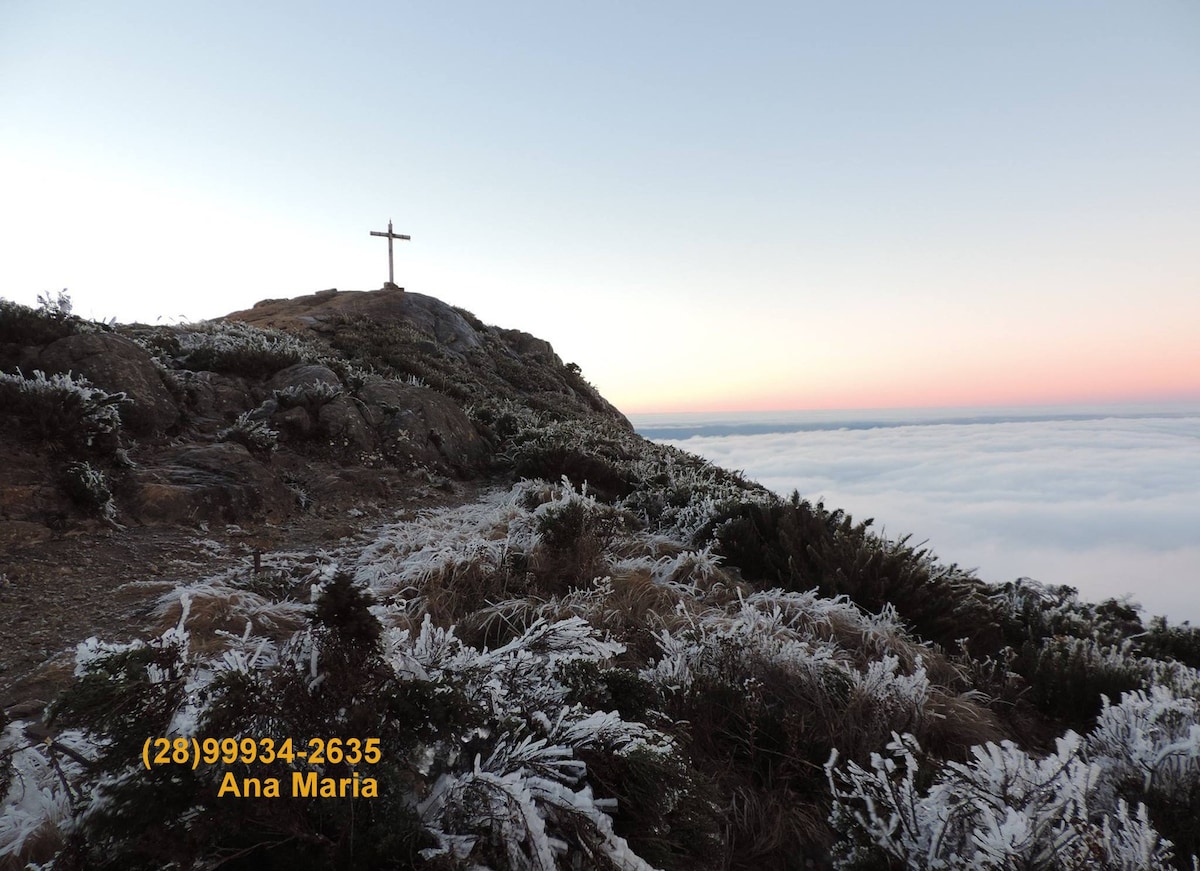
x,y
390,236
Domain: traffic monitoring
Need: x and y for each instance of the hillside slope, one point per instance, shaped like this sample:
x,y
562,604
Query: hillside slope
x,y
369,526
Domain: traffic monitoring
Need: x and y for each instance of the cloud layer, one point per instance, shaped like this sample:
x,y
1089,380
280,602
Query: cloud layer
x,y
1108,505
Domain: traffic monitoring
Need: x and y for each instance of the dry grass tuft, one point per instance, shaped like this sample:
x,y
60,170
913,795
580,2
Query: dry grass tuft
x,y
214,607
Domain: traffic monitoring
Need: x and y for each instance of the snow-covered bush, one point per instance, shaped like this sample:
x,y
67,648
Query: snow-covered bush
x,y
522,792
1152,738
767,689
255,435
681,494
36,792
1000,810
1068,677
64,409
485,754
1032,610
799,545
88,486
236,348
311,395
51,320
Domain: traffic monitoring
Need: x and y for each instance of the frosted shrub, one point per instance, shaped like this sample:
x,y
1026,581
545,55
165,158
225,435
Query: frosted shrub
x,y
679,493
1068,677
533,537
65,408
773,636
88,486
314,394
240,349
1034,610
523,792
255,435
1151,739
51,320
1001,810
36,796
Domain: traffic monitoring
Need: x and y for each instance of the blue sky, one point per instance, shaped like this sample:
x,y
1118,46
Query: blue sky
x,y
705,205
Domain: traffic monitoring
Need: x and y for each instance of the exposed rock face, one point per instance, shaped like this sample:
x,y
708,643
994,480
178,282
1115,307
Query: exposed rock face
x,y
441,322
208,483
429,426
303,375
115,364
216,399
449,348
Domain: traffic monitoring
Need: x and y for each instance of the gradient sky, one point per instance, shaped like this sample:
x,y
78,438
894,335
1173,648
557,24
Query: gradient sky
x,y
704,205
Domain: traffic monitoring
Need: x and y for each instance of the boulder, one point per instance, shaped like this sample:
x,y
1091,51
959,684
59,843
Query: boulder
x,y
424,425
116,364
340,422
428,315
295,423
216,483
302,375
218,399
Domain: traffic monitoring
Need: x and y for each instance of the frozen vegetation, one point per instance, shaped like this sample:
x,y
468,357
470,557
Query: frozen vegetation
x,y
618,657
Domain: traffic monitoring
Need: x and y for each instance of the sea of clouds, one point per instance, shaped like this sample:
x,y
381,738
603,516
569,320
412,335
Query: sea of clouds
x,y
1105,501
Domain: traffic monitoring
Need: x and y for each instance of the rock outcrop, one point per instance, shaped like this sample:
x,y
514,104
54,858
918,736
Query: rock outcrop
x,y
343,395
115,364
446,347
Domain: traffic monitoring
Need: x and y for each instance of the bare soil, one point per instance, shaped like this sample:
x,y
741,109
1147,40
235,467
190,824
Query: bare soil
x,y
95,580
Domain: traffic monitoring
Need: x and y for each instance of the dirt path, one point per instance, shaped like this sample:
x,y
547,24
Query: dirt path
x,y
98,581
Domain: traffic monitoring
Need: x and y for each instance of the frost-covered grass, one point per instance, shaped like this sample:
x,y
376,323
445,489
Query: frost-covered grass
x,y
311,395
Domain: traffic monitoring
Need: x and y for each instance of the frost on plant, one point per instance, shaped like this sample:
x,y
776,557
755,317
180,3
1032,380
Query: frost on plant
x,y
1002,809
36,793
88,486
65,408
1152,739
255,435
314,394
234,347
523,790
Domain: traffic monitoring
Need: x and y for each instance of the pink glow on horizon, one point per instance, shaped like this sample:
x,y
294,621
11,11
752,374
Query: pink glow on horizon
x,y
862,399
1143,373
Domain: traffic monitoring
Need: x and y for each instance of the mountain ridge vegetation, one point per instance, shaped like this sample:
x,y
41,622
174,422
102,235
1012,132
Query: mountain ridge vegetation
x,y
573,647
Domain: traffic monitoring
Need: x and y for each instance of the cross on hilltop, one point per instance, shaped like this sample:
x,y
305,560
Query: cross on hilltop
x,y
391,283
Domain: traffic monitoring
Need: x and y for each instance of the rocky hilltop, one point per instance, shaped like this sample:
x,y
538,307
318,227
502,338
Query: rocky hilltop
x,y
354,580
349,382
